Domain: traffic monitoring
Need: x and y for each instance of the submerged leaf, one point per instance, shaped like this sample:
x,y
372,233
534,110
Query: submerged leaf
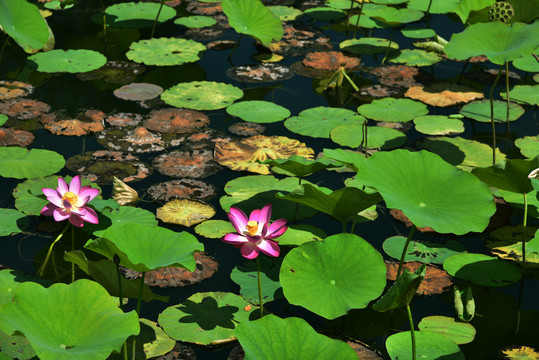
x,y
185,212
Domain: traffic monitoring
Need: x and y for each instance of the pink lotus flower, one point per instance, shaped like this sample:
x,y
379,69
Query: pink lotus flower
x,y
70,202
255,234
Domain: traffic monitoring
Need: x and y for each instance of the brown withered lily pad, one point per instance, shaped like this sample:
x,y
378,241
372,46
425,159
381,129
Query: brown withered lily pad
x,y
330,60
11,137
205,140
178,121
124,119
401,76
11,89
377,91
246,129
260,73
185,212
138,140
300,40
165,277
443,94
437,281
115,71
182,188
206,34
138,91
23,109
179,352
204,8
487,76
195,163
363,351
102,165
221,45
399,215
60,124
244,155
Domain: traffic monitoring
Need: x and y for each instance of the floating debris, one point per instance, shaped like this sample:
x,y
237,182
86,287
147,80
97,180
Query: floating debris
x,y
401,76
195,164
246,129
330,60
138,140
178,121
299,40
260,73
185,212
124,119
11,89
115,71
181,189
23,109
204,8
60,124
378,91
12,137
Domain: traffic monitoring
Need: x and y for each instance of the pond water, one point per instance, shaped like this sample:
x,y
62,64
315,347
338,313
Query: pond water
x,y
496,308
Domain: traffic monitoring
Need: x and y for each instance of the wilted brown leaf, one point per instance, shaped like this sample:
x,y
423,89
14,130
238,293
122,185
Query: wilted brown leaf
x,y
443,94
437,281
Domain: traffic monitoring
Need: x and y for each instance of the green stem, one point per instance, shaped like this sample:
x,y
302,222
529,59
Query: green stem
x,y
358,17
42,268
156,19
259,287
412,331
72,249
404,249
353,226
139,300
507,94
235,46
117,263
463,70
297,205
343,226
350,81
104,22
492,116
524,223
388,45
427,21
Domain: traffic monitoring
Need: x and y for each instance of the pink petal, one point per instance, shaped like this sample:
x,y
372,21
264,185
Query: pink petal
x,y
53,196
74,187
62,187
234,239
269,248
60,214
276,229
249,250
88,191
48,209
76,220
90,215
79,211
238,219
255,215
265,215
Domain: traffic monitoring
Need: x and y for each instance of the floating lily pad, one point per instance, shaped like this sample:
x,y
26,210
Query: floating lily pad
x,y
527,63
520,353
483,270
299,234
510,175
138,91
260,73
367,45
11,89
434,7
416,57
463,153
285,13
137,140
71,61
12,137
12,222
351,135
194,164
165,51
315,276
407,181
363,21
325,13
15,347
288,339
22,21
424,251
202,95
178,121
206,318
319,121
528,145
245,275
429,346
506,243
83,123
215,229
443,94
393,16
251,17
3,119
196,21
51,320
185,212
122,215
182,188
526,94
20,163
137,15
258,111
480,111
299,166
438,125
393,110
418,33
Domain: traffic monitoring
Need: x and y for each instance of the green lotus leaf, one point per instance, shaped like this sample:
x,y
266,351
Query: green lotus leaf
x,y
524,11
483,269
10,280
325,13
333,276
429,345
393,16
480,111
367,45
23,22
251,17
464,302
165,51
393,110
137,15
65,322
510,175
342,4
438,125
12,222
400,294
429,191
416,57
352,159
527,63
299,166
143,248
363,21
258,111
462,153
20,163
285,13
3,119
497,41
319,121
245,275
506,243
459,332
151,342
70,61
202,95
15,347
390,2
206,318
526,94
288,339
517,200
343,204
214,229
465,7
418,33
433,7
252,192
105,273
423,251
528,145
377,137
123,215
196,21
298,234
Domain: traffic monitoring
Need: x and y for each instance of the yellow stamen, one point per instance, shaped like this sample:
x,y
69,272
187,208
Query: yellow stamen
x,y
252,227
72,198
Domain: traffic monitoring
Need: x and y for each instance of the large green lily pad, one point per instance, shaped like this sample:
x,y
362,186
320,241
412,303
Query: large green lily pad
x,y
299,166
165,51
70,61
483,269
196,21
319,121
525,94
429,191
459,332
20,163
510,175
367,45
430,346
438,125
298,234
528,145
64,322
393,16
351,135
214,229
202,95
393,110
258,111
333,276
416,57
288,339
137,15
480,111
122,215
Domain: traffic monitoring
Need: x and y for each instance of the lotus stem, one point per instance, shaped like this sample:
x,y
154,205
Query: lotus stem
x,y
508,99
117,263
412,331
72,249
358,16
104,22
404,249
353,226
156,19
427,17
492,116
139,300
524,224
463,70
388,45
350,81
235,46
42,268
259,287
365,140
343,226
3,48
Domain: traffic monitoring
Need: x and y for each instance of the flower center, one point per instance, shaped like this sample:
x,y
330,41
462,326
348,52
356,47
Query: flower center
x,y
69,200
252,227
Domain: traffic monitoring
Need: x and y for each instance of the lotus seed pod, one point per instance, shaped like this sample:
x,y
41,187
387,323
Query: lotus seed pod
x,y
501,11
